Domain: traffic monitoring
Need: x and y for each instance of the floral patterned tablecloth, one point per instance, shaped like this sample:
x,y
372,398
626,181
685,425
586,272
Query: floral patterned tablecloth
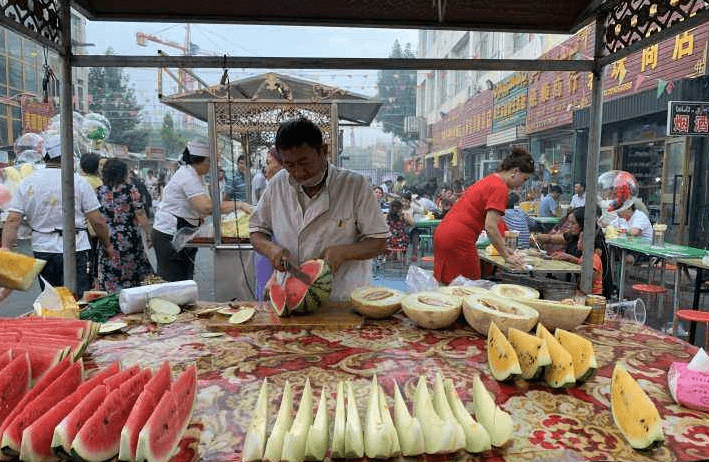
x,y
572,424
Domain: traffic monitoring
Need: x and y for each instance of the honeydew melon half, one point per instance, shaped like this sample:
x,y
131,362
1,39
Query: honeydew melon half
x,y
481,310
462,291
555,314
633,412
432,310
532,353
560,373
514,291
376,302
501,357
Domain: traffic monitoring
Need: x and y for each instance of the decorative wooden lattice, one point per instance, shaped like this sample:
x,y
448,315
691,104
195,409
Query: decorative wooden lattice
x,y
266,117
37,17
633,20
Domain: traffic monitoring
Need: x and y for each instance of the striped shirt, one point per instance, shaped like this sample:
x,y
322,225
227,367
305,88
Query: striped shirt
x,y
517,220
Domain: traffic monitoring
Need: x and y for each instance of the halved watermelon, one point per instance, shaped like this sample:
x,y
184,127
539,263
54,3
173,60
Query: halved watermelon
x,y
37,438
100,437
14,383
144,406
38,388
289,294
59,389
161,435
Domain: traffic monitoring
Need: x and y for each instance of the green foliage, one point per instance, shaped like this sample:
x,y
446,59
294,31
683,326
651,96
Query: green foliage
x,y
114,98
173,141
397,89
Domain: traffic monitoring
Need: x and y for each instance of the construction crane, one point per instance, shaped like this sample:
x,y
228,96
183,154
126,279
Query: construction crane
x,y
185,78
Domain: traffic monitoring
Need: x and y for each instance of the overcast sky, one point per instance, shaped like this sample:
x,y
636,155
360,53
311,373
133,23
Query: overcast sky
x,y
243,40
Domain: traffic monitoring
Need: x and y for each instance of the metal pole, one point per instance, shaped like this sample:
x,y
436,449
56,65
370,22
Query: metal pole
x,y
214,173
334,135
67,137
594,149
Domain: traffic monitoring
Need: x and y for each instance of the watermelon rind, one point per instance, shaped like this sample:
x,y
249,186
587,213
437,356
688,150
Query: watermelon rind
x,y
70,425
14,383
63,386
100,437
36,443
159,439
144,406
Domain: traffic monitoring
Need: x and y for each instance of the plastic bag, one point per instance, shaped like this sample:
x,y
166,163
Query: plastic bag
x,y
133,300
236,225
55,302
420,280
463,281
183,236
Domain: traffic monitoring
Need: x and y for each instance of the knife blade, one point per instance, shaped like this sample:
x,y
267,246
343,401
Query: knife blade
x,y
297,273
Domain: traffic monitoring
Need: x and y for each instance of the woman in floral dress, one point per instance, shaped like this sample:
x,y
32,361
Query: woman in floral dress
x,y
399,239
123,209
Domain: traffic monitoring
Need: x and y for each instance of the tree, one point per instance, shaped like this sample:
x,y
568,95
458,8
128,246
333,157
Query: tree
x,y
397,88
174,142
113,97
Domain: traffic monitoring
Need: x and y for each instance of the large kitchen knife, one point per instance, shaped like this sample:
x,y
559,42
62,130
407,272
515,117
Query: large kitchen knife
x,y
297,273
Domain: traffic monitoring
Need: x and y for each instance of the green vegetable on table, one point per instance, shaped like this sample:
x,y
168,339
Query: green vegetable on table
x,y
101,309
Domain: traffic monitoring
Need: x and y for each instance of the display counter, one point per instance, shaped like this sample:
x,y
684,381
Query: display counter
x,y
572,424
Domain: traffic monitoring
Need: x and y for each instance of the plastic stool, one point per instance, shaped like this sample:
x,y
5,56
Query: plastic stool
x,y
696,316
425,242
396,258
651,290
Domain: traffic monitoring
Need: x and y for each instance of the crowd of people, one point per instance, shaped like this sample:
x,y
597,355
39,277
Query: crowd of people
x,y
301,207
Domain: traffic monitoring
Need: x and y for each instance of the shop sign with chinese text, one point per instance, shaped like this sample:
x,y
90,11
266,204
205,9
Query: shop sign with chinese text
x,y
688,118
35,115
510,106
465,126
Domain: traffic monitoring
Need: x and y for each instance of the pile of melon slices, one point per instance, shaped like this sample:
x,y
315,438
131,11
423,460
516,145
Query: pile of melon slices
x,y
46,341
563,358
129,413
440,424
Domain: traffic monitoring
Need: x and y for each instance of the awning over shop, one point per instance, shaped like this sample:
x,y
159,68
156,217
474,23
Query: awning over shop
x,y
444,152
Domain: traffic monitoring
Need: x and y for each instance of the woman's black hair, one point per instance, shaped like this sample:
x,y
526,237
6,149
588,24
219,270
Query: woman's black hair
x,y
395,207
518,158
115,172
512,200
89,163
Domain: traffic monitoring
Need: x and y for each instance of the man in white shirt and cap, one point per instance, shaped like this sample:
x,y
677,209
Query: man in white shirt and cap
x,y
634,221
39,199
312,209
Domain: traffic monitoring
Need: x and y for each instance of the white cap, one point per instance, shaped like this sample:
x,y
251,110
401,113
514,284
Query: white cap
x,y
198,148
53,146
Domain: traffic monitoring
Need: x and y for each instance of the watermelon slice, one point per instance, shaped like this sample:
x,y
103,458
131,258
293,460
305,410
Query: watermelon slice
x,y
37,438
38,388
5,358
59,389
123,376
100,437
41,358
144,406
70,425
161,435
14,383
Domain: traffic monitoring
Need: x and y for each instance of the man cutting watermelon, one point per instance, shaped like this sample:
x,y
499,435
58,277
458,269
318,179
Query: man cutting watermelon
x,y
312,209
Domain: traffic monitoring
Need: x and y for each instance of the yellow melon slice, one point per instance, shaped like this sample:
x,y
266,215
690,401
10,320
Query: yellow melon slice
x,y
532,353
582,353
18,271
501,356
560,373
633,412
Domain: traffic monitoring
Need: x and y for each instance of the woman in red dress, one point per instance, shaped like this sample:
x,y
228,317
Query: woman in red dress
x,y
480,207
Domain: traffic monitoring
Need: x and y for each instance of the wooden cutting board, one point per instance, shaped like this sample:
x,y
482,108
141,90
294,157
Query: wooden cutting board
x,y
334,315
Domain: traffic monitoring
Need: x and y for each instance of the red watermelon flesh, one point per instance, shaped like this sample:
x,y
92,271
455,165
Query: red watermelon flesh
x,y
37,438
57,332
67,429
5,358
278,299
38,388
144,406
59,389
160,437
14,384
123,376
100,437
41,359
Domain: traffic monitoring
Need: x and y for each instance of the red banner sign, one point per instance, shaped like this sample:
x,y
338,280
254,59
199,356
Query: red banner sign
x,y
35,115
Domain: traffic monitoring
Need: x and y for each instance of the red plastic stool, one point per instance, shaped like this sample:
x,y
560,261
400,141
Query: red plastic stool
x,y
651,290
696,316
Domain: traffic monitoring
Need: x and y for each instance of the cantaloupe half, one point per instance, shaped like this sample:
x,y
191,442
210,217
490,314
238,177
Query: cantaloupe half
x,y
482,309
633,412
560,373
532,353
582,353
501,357
18,271
515,291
